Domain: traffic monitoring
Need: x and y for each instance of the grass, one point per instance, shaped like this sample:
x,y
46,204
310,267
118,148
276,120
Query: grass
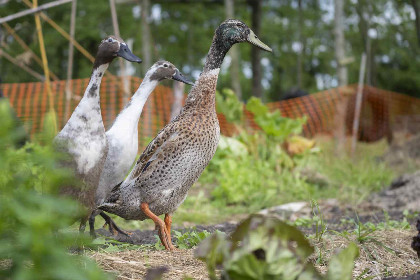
x,y
348,179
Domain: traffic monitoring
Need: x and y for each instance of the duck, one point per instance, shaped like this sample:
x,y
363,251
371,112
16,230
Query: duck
x,y
171,163
122,137
83,138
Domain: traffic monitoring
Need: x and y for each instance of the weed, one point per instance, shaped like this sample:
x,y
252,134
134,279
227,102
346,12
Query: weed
x,y
190,239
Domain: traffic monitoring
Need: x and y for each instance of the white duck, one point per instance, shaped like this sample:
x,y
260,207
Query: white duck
x,y
83,137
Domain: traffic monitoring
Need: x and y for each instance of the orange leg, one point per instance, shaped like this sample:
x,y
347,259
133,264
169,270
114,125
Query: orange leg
x,y
168,223
160,225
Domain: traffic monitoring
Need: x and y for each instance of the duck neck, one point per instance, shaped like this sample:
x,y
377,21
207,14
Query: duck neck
x,y
203,94
216,54
130,115
92,91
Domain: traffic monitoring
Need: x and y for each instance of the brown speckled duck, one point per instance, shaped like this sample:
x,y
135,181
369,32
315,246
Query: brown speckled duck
x,y
177,156
83,137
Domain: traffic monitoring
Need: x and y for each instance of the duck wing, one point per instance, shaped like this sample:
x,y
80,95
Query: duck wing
x,y
155,152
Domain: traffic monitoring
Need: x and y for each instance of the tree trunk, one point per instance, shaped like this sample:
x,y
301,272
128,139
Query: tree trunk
x,y
340,51
416,8
234,54
340,55
363,11
147,62
178,91
145,36
124,79
300,51
255,52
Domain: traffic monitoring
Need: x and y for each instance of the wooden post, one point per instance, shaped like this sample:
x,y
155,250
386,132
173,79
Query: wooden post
x,y
45,65
124,78
70,62
358,107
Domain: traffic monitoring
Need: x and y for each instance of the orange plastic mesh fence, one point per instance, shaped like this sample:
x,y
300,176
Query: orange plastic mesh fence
x,y
382,111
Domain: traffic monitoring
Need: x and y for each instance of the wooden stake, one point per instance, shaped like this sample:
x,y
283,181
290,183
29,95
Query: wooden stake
x,y
358,107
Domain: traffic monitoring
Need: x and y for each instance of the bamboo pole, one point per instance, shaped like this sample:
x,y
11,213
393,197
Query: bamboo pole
x,y
26,48
63,33
45,64
70,61
21,65
358,106
66,35
33,10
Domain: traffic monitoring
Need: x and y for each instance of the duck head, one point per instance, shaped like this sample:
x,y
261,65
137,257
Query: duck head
x,y
162,70
228,33
234,31
110,48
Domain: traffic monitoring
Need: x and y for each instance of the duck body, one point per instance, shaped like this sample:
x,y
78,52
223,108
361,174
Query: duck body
x,y
163,175
123,135
83,140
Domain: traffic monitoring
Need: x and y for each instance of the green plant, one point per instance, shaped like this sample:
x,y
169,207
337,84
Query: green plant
x,y
229,105
272,123
31,213
190,239
266,248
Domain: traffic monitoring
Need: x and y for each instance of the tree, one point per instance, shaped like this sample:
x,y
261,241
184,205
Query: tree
x,y
234,54
255,52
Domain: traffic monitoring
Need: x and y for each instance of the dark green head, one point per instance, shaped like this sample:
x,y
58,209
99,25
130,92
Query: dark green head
x,y
234,31
230,32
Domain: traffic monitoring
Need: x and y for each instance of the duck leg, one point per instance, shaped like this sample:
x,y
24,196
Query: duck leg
x,y
113,228
160,225
168,223
82,225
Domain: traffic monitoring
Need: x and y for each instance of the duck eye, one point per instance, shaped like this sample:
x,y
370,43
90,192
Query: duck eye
x,y
165,65
110,40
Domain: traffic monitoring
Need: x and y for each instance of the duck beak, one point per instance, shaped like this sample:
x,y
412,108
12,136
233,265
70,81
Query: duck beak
x,y
253,39
126,53
179,77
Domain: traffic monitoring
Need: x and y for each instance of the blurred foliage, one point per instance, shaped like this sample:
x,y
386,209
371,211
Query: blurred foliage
x,y
272,123
190,239
253,169
31,212
182,34
266,248
229,105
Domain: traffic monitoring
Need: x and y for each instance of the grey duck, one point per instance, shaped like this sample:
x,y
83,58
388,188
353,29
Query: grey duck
x,y
177,156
